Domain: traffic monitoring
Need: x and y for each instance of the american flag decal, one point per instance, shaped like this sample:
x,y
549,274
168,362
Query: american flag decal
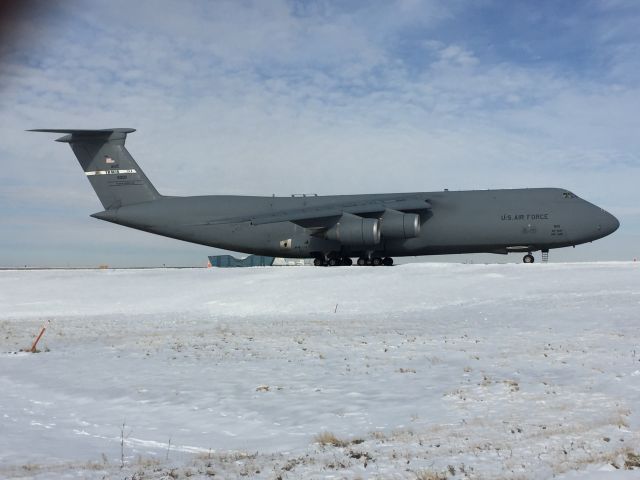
x,y
108,159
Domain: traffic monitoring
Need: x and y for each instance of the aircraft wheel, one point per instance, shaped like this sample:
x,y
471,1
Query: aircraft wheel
x,y
387,261
362,261
376,261
528,258
333,262
347,262
318,262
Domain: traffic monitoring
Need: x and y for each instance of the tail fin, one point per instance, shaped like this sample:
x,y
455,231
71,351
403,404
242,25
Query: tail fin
x,y
112,171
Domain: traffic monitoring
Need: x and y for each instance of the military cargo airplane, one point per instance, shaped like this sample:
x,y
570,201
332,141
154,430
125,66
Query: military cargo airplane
x,y
334,229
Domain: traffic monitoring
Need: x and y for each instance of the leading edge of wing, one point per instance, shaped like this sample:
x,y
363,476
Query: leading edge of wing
x,y
325,211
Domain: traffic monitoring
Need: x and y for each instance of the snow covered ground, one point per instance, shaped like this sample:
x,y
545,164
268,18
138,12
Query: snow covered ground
x,y
417,371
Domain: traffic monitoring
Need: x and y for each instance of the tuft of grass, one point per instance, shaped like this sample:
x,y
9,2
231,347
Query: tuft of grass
x,y
513,385
429,475
632,461
204,456
147,462
328,438
94,466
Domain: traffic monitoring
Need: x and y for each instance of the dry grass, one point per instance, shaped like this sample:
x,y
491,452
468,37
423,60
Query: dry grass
x,y
512,384
147,462
632,461
429,475
328,438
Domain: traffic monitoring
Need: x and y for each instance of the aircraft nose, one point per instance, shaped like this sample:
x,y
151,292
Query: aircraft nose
x,y
607,223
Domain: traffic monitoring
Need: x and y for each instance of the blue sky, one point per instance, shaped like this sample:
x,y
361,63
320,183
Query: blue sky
x,y
325,97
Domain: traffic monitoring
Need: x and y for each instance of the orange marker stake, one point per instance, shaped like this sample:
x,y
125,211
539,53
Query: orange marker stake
x,y
35,344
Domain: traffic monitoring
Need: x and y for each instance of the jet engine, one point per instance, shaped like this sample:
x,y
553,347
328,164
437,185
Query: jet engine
x,y
354,230
395,224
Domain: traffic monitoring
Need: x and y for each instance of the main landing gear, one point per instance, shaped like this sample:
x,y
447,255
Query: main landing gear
x,y
332,262
346,261
375,261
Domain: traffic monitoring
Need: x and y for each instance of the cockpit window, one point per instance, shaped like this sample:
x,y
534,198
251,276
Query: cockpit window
x,y
568,195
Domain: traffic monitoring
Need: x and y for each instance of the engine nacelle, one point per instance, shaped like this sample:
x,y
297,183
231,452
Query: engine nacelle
x,y
395,224
354,230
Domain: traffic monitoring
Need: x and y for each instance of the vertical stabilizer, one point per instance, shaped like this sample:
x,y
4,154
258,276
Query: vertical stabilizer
x,y
111,170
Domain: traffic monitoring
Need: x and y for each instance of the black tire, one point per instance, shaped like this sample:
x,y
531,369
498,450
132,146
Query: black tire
x,y
347,262
528,258
387,261
318,262
376,261
333,262
362,261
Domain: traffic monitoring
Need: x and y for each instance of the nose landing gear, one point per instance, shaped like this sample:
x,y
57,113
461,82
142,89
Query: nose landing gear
x,y
528,258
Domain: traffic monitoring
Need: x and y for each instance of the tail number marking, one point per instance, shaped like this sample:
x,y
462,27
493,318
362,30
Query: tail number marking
x,y
110,172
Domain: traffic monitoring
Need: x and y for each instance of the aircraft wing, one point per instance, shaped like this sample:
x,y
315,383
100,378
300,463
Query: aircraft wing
x,y
308,214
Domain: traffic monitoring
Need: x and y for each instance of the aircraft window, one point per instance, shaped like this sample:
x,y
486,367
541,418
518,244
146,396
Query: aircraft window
x,y
568,195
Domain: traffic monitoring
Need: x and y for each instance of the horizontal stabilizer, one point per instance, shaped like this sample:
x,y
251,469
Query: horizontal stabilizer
x,y
77,134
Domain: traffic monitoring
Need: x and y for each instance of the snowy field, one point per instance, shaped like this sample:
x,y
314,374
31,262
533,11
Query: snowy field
x,y
420,371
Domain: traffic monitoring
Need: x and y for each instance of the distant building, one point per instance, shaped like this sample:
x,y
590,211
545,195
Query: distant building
x,y
291,262
227,261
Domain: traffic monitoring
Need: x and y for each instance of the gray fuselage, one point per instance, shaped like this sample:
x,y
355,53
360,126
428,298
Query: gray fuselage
x,y
495,221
